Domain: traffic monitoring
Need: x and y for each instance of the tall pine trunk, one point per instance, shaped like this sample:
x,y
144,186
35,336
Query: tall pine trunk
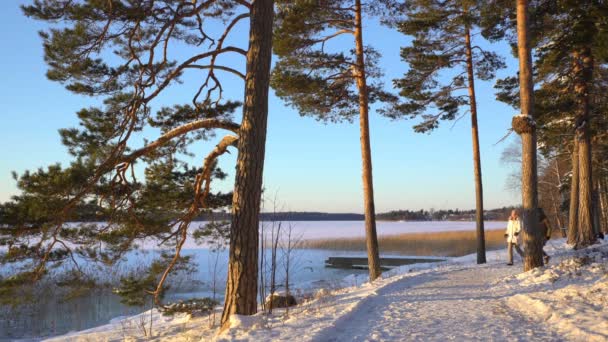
x,y
373,254
583,73
525,126
481,243
242,282
573,212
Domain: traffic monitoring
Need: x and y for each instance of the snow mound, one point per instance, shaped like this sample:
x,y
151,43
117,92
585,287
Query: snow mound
x,y
246,322
571,296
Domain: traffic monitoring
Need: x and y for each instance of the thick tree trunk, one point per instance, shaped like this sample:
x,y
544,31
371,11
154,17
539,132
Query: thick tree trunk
x,y
242,282
573,212
481,241
583,72
525,126
586,232
373,254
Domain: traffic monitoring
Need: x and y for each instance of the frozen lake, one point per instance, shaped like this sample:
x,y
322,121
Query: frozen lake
x,y
306,230
51,316
338,229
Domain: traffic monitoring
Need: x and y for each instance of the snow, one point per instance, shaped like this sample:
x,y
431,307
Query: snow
x,y
560,121
576,304
131,328
528,117
451,300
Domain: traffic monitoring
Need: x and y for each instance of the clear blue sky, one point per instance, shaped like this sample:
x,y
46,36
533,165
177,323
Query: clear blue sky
x,y
310,165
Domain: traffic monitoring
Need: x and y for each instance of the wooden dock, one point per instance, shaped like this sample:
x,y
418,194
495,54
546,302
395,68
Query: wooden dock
x,y
385,263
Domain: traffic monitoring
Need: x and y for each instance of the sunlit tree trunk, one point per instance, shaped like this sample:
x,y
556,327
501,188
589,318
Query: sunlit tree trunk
x,y
241,285
373,254
481,243
583,73
525,126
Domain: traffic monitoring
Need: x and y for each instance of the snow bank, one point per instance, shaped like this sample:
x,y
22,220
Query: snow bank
x,y
571,296
134,328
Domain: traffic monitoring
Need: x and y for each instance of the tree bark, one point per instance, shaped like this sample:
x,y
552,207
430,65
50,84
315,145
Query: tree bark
x,y
526,127
373,254
573,212
583,73
481,243
242,282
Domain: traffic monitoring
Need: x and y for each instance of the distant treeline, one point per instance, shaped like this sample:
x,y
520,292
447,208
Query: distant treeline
x,y
91,213
295,216
500,214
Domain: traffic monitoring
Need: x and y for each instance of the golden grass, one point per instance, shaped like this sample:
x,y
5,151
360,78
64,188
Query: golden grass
x,y
455,243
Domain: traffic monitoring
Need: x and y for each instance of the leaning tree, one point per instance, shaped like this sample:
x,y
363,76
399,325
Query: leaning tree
x,y
444,47
332,83
130,54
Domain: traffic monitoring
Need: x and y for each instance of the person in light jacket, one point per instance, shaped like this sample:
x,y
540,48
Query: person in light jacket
x,y
513,229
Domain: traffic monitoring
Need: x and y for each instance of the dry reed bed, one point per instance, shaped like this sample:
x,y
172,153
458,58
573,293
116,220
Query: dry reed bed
x,y
451,244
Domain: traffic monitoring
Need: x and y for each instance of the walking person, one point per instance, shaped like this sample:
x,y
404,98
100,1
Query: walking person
x,y
513,229
546,230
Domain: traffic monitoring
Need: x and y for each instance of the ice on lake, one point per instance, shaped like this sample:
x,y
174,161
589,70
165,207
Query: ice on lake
x,y
306,230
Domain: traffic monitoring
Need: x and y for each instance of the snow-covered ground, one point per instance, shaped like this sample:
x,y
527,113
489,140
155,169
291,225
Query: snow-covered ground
x,y
454,300
570,297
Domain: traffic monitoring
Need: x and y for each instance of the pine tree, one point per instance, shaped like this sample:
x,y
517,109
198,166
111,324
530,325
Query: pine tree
x,y
241,286
331,86
442,32
574,193
600,151
126,52
525,126
570,37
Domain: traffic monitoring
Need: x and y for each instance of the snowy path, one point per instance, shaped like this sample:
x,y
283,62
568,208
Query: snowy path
x,y
455,305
